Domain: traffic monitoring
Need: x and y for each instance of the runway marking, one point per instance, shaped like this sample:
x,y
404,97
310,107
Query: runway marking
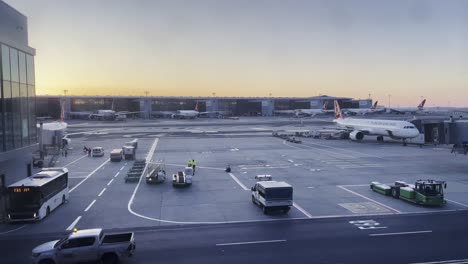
x,y
361,153
70,227
110,182
103,190
11,231
89,206
401,233
250,242
89,175
454,261
77,177
123,167
201,167
239,182
117,174
75,160
369,199
302,210
464,205
265,167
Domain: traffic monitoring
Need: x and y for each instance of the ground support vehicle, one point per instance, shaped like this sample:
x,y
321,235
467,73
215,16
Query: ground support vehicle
x,y
272,195
293,140
116,155
86,246
156,174
129,152
133,143
423,192
135,172
97,152
182,178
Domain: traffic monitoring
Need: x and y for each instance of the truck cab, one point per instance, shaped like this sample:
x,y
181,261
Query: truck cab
x,y
86,246
273,195
116,155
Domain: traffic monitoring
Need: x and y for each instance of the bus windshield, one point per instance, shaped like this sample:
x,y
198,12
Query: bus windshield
x,y
24,198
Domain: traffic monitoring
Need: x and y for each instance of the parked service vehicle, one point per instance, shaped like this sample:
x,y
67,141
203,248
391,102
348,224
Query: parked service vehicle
x,y
116,155
182,178
35,197
133,143
129,152
86,246
97,152
273,195
424,192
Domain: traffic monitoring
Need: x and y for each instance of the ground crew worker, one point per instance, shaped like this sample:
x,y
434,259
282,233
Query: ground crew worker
x,y
189,164
194,163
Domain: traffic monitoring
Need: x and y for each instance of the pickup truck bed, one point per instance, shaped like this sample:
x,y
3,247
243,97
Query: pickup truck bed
x,y
117,238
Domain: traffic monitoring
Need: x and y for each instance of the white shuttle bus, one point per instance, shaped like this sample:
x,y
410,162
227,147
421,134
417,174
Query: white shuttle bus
x,y
33,198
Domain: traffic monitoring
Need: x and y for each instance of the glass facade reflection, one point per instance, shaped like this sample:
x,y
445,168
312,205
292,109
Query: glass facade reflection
x,y
18,120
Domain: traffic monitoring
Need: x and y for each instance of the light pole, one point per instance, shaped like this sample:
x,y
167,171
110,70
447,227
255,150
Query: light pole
x,y
389,97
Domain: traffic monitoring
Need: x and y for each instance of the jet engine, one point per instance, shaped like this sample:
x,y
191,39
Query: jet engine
x,y
356,135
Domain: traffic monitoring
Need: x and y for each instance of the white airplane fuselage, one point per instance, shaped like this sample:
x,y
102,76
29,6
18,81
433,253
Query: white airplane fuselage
x,y
390,128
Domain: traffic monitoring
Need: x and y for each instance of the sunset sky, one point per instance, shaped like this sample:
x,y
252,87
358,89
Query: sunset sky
x,y
409,49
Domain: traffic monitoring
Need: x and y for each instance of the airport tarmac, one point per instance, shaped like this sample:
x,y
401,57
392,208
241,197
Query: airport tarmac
x,y
330,177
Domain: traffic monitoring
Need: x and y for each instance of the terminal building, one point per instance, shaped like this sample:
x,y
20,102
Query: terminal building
x,y
18,133
157,107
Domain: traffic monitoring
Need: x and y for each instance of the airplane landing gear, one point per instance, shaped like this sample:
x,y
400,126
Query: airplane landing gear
x,y
380,139
404,143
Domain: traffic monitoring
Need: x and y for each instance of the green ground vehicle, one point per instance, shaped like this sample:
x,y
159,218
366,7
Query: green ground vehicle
x,y
423,192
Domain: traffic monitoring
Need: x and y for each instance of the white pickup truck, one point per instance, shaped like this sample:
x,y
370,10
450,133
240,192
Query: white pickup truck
x,y
88,245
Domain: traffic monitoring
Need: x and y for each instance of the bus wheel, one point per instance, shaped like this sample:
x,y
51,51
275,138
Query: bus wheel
x,y
48,211
253,200
63,199
265,209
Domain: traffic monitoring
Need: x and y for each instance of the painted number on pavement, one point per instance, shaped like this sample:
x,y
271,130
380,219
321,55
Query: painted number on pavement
x,y
367,224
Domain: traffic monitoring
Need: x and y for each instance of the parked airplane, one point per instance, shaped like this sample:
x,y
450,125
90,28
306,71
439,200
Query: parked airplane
x,y
364,111
358,128
411,110
313,112
191,114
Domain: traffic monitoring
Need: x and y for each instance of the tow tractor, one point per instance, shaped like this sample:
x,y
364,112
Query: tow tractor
x,y
182,178
423,192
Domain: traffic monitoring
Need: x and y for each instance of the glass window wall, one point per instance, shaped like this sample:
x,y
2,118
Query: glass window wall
x,y
5,62
14,65
22,67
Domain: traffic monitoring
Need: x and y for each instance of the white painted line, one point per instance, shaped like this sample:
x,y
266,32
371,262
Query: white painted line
x,y
74,223
356,185
238,182
77,177
75,160
292,161
89,175
302,210
110,182
369,199
454,261
199,167
103,190
89,206
464,205
117,174
402,233
16,229
250,242
122,168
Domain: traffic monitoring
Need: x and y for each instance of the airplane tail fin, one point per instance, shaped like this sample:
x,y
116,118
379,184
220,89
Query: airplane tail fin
x,y
338,113
421,105
375,105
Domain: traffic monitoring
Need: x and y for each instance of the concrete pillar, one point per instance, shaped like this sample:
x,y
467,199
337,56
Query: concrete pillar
x,y
66,101
145,108
268,107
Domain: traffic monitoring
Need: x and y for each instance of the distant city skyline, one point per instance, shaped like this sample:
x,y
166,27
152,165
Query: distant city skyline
x,y
399,50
